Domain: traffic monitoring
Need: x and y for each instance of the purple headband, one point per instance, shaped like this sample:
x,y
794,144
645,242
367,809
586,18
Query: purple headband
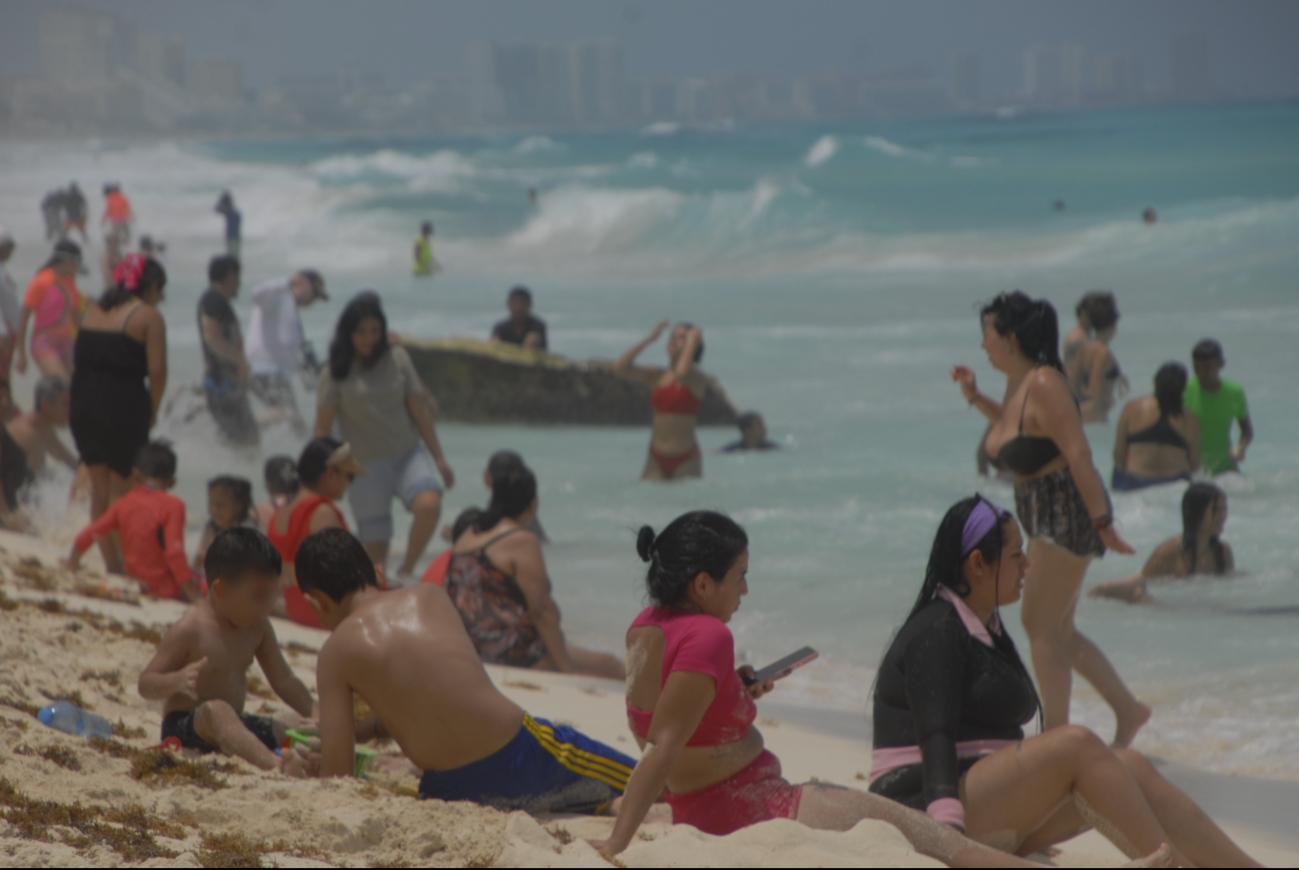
x,y
981,520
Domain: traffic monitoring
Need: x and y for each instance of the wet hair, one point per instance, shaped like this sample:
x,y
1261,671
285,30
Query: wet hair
x,y
747,420
512,494
1031,321
698,541
334,562
48,389
503,462
1197,501
314,460
1088,302
521,293
699,351
281,476
157,460
152,276
1207,349
222,266
1170,385
238,552
363,306
946,563
1102,310
240,490
464,522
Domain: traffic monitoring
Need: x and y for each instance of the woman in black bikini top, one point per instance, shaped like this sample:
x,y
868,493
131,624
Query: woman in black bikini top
x,y
1060,499
1165,451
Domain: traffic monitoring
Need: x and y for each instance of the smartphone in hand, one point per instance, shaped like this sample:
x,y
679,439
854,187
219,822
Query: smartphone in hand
x,y
784,667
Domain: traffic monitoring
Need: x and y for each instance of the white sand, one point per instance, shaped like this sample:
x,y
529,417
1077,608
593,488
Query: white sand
x,y
352,823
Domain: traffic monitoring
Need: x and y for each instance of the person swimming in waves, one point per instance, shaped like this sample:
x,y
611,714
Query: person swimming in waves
x,y
1158,439
1037,433
677,393
425,265
1098,372
950,703
753,434
1199,549
1218,402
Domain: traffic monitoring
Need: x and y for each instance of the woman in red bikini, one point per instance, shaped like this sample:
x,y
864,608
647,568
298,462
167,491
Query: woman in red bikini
x,y
325,470
692,714
677,393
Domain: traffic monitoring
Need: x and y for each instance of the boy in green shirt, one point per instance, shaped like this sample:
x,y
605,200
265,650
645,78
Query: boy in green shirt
x,y
1217,401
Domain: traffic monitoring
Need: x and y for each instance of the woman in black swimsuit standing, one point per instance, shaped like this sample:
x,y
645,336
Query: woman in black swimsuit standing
x,y
1037,434
121,344
1157,440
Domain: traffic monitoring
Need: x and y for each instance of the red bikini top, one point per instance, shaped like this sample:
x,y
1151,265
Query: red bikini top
x,y
703,644
675,398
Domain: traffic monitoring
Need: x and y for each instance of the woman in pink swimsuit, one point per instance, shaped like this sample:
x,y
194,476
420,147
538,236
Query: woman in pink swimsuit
x,y
55,302
692,714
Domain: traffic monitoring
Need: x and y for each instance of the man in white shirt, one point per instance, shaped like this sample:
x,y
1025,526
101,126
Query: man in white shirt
x,y
10,306
275,342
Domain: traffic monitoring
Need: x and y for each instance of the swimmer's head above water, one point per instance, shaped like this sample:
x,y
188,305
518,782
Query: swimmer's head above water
x,y
698,563
1204,517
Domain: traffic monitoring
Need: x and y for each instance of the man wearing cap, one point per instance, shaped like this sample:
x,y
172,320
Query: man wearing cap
x,y
54,300
325,470
521,327
277,345
1217,402
10,307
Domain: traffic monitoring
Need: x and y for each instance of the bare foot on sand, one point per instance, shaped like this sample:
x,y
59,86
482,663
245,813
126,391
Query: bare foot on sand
x,y
1161,857
1129,724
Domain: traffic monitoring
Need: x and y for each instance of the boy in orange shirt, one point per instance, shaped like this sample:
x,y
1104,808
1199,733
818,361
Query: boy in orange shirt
x,y
151,523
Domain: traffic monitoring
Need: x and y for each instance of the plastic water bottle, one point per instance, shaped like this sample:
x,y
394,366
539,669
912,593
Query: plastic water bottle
x,y
71,719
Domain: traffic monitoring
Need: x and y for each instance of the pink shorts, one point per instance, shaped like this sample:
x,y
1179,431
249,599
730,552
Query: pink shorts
x,y
756,794
53,344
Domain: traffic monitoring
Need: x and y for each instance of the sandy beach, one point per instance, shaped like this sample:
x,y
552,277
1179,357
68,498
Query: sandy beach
x,y
67,802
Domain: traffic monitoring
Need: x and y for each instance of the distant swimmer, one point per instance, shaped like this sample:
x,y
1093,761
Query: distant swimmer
x,y
521,327
1150,216
1157,440
1198,550
74,211
1098,372
225,206
425,264
52,206
677,394
1218,403
753,434
1082,331
117,234
1058,204
532,196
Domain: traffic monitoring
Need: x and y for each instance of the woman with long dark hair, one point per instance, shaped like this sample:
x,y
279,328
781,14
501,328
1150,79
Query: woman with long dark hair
x,y
498,582
1096,372
1157,440
1037,434
1198,550
373,390
121,345
952,697
676,395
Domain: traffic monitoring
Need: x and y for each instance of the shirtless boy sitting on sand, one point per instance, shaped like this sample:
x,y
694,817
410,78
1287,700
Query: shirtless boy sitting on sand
x,y
406,653
201,665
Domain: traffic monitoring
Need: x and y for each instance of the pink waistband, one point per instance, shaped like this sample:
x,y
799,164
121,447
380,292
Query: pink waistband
x,y
890,759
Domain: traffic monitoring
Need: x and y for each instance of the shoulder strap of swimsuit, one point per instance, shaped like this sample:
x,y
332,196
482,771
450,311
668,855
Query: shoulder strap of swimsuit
x,y
504,534
1024,407
129,315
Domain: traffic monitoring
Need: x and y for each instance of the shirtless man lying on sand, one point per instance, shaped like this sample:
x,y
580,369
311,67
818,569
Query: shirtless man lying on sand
x,y
407,654
201,667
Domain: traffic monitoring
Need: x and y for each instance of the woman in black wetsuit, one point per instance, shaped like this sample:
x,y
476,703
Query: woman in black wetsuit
x,y
121,344
1037,434
950,701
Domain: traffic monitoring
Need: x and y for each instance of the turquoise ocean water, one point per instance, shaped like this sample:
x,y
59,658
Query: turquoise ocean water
x,y
835,269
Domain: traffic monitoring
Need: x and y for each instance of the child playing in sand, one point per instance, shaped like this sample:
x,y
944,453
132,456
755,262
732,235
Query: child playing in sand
x,y
151,523
229,504
200,669
472,742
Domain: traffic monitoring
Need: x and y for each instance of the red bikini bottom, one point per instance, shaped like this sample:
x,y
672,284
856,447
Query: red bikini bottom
x,y
756,794
669,464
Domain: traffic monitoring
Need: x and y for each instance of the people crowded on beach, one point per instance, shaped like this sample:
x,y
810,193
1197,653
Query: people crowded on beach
x,y
1037,434
324,471
1157,440
753,434
1217,403
225,206
1096,373
280,477
229,505
521,327
497,580
676,395
1198,550
52,306
149,522
372,389
471,742
425,264
200,670
119,381
951,700
275,343
225,367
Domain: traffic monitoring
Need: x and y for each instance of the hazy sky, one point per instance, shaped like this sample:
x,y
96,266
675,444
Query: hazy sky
x,y
1251,42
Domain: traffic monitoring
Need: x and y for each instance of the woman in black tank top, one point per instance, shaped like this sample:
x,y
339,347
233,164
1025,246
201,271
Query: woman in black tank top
x,y
119,375
1059,497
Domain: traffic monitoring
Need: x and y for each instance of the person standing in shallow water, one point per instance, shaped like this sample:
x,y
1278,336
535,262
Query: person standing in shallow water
x,y
225,368
1096,373
1218,403
122,345
676,395
1037,434
1157,440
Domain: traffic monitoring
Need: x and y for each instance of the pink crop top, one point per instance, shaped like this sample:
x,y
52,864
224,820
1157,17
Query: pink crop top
x,y
703,644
